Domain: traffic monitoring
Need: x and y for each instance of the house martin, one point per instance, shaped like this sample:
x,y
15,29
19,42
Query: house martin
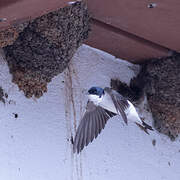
x,y
102,105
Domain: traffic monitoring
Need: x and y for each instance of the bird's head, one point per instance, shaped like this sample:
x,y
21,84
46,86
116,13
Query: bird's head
x,y
97,91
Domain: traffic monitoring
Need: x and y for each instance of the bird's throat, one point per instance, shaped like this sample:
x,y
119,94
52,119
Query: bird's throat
x,y
95,99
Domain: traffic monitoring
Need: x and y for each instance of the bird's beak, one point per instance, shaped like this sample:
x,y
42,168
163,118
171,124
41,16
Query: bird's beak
x,y
85,92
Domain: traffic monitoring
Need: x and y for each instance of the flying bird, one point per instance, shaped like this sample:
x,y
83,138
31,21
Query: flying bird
x,y
101,106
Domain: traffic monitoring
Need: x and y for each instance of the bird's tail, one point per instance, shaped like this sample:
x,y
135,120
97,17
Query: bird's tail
x,y
147,126
144,127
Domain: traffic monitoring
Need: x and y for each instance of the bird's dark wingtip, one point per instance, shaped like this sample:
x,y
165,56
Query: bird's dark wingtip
x,y
125,120
76,149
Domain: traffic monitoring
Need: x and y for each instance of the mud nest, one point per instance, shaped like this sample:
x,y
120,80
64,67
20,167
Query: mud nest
x,y
8,36
45,47
163,93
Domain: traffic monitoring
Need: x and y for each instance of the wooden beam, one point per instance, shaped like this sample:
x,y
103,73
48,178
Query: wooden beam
x,y
17,11
158,22
122,44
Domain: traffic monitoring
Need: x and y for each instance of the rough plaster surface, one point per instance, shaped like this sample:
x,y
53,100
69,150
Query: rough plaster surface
x,y
35,144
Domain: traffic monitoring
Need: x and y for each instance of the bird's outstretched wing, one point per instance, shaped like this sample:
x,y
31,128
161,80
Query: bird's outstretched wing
x,y
120,102
90,126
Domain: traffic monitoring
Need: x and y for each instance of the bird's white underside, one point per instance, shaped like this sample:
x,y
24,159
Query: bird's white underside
x,y
106,102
